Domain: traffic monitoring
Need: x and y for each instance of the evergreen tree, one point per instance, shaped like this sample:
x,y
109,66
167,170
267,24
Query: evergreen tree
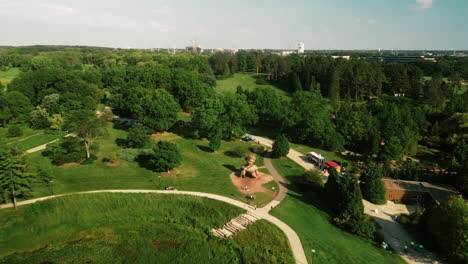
x,y
280,146
334,91
215,140
15,181
372,186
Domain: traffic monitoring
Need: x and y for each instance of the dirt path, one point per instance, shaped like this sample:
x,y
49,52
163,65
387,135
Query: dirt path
x,y
23,139
294,241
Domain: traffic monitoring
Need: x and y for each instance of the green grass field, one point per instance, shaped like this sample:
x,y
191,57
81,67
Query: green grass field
x,y
331,244
35,140
247,81
27,132
201,170
133,228
7,76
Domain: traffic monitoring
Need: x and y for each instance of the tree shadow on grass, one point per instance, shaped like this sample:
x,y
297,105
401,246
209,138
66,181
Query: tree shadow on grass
x,y
204,148
232,154
230,167
121,142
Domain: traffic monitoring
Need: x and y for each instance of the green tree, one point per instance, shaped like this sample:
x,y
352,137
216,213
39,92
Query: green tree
x,y
334,91
372,186
165,156
14,131
215,140
280,146
137,136
87,126
15,181
206,118
446,226
392,150
313,179
40,118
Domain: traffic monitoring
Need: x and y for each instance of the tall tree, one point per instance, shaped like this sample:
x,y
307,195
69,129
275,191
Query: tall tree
x,y
215,140
14,179
334,91
372,186
165,156
87,126
280,146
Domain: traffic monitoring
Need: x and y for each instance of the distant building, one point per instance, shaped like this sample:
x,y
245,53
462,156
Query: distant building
x,y
412,192
342,57
390,59
301,48
195,48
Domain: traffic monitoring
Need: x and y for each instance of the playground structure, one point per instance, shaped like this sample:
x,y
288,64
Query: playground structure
x,y
249,169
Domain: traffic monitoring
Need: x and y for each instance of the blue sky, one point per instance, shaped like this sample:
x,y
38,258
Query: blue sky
x,y
320,24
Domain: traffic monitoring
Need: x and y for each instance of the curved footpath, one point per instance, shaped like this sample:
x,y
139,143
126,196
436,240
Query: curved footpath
x,y
262,213
392,231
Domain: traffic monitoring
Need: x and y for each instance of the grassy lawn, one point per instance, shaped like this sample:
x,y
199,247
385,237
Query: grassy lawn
x,y
331,244
133,228
36,140
7,76
269,185
247,81
27,132
201,170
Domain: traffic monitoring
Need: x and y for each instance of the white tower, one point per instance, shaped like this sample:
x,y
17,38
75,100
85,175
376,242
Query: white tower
x,y
301,48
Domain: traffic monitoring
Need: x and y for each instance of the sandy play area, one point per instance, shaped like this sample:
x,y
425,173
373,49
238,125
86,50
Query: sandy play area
x,y
253,185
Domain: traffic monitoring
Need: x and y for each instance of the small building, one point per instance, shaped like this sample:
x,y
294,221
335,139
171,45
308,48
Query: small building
x,y
317,158
331,164
412,192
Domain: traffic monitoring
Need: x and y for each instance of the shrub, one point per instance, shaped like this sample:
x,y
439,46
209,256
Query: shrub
x,y
14,131
313,179
280,146
137,136
165,157
240,151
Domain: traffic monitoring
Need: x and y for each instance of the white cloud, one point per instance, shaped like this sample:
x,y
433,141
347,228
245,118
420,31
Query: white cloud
x,y
423,4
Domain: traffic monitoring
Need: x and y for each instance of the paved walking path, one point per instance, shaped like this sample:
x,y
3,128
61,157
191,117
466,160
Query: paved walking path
x,y
282,185
395,234
43,146
294,155
260,213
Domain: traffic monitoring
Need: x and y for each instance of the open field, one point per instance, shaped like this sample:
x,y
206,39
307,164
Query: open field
x,y
331,244
27,132
133,228
7,76
201,169
35,140
247,81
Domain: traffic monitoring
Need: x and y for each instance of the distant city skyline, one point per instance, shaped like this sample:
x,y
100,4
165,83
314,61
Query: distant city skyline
x,y
262,24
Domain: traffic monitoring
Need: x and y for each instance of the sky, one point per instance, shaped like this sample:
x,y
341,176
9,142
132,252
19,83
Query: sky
x,y
241,24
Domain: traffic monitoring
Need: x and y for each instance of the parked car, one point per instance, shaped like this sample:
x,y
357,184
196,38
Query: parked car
x,y
249,138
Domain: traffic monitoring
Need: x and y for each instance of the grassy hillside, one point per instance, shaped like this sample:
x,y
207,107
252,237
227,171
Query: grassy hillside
x,y
247,81
201,169
133,228
331,244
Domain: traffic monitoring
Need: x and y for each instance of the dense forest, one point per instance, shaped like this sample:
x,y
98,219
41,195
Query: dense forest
x,y
384,112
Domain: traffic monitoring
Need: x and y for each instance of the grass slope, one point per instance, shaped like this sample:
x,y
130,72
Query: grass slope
x,y
332,245
201,170
247,81
133,228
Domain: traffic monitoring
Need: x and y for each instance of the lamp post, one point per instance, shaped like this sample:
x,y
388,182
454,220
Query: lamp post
x,y
51,186
313,253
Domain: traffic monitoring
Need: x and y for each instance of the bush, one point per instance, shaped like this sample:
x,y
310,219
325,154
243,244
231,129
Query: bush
x,y
14,131
165,157
89,161
240,151
280,146
137,136
312,179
